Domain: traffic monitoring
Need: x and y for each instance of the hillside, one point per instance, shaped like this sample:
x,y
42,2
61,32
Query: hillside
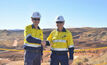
x,y
83,37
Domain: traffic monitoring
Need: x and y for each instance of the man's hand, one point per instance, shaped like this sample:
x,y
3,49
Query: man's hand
x,y
70,61
43,43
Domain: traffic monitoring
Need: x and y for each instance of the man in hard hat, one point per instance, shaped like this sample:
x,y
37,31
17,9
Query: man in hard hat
x,y
33,37
61,42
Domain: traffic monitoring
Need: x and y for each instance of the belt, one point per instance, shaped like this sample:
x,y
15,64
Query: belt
x,y
59,52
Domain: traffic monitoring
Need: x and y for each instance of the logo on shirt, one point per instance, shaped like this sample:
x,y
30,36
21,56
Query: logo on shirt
x,y
63,36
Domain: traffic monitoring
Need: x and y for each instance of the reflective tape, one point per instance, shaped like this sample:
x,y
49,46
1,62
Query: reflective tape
x,y
76,50
59,49
71,46
28,36
32,45
31,35
59,41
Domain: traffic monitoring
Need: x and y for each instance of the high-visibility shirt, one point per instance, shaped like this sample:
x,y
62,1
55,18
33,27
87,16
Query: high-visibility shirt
x,y
60,41
32,36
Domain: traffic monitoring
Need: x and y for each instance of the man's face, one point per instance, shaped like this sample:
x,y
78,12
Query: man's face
x,y
60,24
35,21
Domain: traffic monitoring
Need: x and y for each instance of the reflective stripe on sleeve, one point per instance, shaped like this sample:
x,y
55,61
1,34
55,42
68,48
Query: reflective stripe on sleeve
x,y
71,46
31,35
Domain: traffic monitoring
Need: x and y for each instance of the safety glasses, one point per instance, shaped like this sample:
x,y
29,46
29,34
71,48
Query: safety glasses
x,y
35,19
59,22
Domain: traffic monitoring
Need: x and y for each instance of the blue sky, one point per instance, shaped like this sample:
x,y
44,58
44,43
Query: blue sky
x,y
15,14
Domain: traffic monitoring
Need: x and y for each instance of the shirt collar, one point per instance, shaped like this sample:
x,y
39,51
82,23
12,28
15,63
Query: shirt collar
x,y
34,27
63,30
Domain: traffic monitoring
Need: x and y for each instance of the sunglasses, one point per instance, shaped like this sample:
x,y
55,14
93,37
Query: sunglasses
x,y
59,22
35,19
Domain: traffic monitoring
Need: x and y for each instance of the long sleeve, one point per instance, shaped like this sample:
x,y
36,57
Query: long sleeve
x,y
70,45
31,39
71,53
28,37
49,39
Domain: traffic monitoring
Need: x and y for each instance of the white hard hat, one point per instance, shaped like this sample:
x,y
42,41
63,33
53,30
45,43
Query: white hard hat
x,y
60,18
36,15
